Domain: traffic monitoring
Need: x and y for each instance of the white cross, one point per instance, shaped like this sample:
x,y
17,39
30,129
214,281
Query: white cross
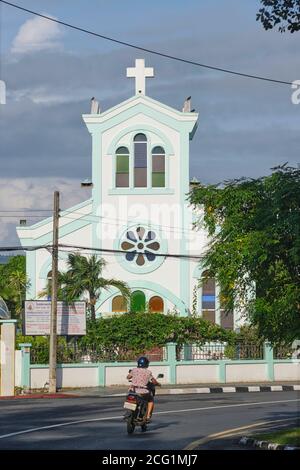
x,y
140,72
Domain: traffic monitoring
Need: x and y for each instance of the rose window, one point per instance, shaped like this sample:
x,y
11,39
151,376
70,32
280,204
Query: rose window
x,y
141,245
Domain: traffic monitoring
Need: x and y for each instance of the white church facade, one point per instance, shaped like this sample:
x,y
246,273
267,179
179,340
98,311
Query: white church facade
x,y
138,213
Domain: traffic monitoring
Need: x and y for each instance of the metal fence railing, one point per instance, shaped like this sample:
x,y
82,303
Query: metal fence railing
x,y
220,351
72,353
208,351
284,352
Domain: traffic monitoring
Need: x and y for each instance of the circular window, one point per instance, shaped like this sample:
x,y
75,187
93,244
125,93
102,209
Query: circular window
x,y
142,246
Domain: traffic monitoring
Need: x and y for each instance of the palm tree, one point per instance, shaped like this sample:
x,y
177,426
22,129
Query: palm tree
x,y
84,276
17,285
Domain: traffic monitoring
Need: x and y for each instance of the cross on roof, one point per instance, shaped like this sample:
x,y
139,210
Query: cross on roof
x,y
140,72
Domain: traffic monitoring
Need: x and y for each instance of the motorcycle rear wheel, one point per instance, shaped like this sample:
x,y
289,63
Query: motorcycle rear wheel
x,y
130,426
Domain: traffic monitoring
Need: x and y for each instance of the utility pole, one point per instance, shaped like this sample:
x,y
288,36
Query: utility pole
x,y
53,318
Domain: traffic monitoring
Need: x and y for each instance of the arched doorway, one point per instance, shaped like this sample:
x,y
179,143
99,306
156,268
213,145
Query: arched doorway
x,y
138,301
156,304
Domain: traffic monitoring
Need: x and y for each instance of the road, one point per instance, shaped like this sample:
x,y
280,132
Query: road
x,y
96,423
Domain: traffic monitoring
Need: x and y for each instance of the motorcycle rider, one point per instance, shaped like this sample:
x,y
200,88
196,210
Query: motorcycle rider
x,y
140,377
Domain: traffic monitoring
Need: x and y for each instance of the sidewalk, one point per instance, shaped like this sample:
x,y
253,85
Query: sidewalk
x,y
189,389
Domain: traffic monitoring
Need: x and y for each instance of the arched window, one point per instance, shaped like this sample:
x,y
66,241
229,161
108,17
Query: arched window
x,y
156,304
122,168
138,301
140,161
119,304
209,299
158,167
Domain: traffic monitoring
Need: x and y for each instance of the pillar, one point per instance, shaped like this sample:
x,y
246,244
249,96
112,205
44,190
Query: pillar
x,y
25,368
7,357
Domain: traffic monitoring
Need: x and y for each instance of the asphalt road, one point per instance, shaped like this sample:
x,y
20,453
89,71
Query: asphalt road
x,y
96,423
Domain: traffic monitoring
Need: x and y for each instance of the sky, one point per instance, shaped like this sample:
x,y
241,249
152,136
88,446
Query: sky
x,y
245,126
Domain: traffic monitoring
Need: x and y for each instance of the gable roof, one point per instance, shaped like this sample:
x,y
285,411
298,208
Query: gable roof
x,y
136,100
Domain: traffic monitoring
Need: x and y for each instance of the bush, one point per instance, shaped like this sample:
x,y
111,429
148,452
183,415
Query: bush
x,y
143,331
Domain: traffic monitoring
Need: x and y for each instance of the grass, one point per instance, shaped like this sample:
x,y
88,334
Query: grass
x,y
289,436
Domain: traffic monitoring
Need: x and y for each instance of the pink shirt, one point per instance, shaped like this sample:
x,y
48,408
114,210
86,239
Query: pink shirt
x,y
140,378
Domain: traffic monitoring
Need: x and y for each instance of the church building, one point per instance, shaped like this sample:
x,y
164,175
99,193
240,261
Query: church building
x,y
138,213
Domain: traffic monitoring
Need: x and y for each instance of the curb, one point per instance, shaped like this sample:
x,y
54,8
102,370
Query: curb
x,y
238,389
39,395
250,442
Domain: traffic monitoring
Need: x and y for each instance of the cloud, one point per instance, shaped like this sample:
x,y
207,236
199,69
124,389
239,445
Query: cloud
x,y
17,194
245,126
37,34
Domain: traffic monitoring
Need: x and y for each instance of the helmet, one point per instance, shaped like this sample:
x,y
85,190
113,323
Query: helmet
x,y
143,362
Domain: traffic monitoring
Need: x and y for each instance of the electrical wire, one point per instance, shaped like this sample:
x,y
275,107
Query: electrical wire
x,y
151,51
176,228
66,247
111,250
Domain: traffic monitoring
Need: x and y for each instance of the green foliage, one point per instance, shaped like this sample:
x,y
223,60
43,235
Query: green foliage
x,y
124,336
255,248
143,331
284,13
13,284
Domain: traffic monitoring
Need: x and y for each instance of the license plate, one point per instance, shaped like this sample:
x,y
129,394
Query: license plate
x,y
130,406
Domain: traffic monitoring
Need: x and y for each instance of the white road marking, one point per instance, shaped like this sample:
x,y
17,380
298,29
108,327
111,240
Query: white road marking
x,y
276,388
3,436
224,406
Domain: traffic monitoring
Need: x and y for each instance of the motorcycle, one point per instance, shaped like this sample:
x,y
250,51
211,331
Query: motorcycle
x,y
136,408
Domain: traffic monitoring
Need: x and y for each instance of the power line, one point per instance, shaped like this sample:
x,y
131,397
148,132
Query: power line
x,y
65,247
116,219
25,210
151,51
110,250
20,215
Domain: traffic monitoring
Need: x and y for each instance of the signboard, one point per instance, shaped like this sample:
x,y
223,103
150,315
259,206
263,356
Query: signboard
x,y
71,318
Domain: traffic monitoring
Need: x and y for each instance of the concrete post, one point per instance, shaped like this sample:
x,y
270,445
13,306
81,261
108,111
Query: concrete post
x,y
222,372
269,358
171,354
7,357
101,375
25,370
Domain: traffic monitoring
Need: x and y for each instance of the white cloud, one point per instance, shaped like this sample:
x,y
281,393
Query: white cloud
x,y
33,193
37,34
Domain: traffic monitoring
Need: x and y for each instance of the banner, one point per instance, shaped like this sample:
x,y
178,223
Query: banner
x,y
71,318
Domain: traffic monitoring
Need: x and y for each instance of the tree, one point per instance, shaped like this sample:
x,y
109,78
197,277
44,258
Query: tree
x,y
13,284
84,276
284,13
254,250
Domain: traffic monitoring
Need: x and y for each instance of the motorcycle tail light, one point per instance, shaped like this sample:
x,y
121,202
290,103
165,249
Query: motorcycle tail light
x,y
131,399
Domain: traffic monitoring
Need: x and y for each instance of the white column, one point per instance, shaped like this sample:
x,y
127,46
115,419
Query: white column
x,y
7,357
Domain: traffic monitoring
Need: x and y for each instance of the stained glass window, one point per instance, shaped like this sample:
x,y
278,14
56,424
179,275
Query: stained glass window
x,y
227,320
119,304
209,299
156,304
140,245
122,167
140,161
158,167
138,301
